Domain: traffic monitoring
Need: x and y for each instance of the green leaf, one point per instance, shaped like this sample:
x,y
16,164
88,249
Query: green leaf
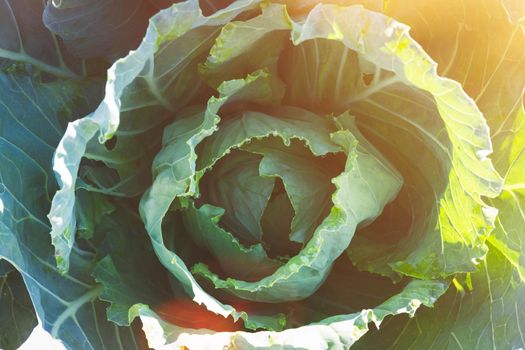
x,y
321,75
91,211
207,7
336,332
235,185
289,122
509,236
356,200
143,90
234,258
306,179
453,129
490,312
425,125
23,38
491,315
174,178
18,317
243,46
276,223
130,273
486,307
134,279
96,28
32,118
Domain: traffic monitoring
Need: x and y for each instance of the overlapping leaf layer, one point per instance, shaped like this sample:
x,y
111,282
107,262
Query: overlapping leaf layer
x,y
263,174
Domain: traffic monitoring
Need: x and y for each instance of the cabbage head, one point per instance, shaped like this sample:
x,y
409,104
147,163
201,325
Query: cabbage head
x,y
263,174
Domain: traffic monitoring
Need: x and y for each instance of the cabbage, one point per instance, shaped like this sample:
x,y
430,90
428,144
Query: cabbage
x,y
263,174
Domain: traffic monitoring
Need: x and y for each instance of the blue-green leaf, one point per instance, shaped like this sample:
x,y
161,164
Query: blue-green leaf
x,y
33,116
18,316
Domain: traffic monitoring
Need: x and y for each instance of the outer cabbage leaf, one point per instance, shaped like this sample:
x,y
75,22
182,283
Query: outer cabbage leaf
x,y
18,317
24,38
98,28
338,332
486,307
134,292
231,56
207,6
133,277
129,270
490,315
459,243
33,116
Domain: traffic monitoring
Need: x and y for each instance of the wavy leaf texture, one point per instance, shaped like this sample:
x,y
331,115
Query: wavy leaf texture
x,y
144,97
485,310
433,102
